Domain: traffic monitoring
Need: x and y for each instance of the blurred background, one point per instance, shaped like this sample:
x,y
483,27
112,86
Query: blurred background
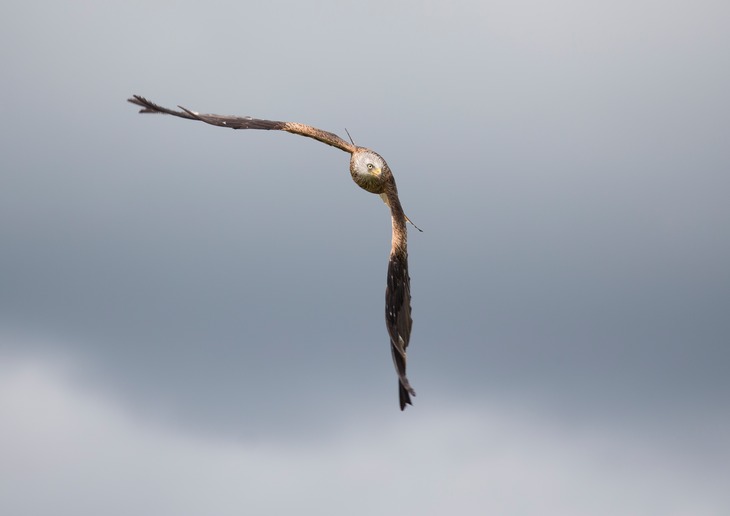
x,y
191,318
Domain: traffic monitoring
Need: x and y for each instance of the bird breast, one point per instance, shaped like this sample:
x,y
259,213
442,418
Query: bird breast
x,y
367,181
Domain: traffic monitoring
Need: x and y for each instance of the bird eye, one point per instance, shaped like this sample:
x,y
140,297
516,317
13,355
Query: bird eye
x,y
370,166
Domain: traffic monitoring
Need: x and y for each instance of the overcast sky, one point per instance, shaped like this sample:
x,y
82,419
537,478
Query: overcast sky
x,y
191,318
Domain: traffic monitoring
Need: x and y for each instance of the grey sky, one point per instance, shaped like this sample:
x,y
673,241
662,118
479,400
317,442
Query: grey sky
x,y
214,294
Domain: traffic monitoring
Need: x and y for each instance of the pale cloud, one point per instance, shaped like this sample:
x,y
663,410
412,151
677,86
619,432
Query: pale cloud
x,y
68,450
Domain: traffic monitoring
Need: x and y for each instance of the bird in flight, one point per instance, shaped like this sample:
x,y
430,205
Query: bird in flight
x,y
370,172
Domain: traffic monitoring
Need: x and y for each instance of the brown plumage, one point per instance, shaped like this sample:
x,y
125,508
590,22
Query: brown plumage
x,y
370,171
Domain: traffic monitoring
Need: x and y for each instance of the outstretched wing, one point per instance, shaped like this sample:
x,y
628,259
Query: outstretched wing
x,y
238,122
398,320
398,293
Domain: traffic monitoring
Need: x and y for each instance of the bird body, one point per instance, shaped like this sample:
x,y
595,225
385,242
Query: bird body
x,y
371,173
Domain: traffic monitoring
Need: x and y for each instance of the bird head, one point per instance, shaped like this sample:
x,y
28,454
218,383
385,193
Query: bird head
x,y
369,170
